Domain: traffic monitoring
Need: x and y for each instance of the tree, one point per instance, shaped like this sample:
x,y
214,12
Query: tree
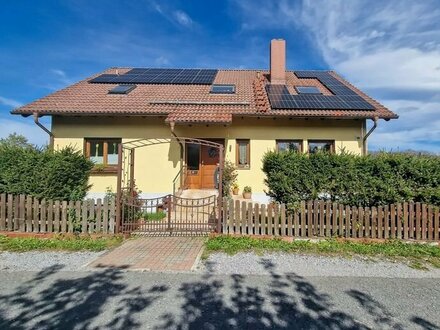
x,y
15,140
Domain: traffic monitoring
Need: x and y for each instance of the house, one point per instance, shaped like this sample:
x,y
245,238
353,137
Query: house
x,y
247,111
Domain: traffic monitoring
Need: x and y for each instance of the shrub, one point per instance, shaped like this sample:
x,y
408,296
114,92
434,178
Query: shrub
x,y
43,173
247,189
229,178
377,179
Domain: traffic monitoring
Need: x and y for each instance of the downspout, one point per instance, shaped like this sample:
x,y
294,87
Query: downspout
x,y
51,137
172,124
364,140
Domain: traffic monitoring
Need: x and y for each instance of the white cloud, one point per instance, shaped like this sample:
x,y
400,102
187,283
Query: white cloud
x,y
176,16
162,60
25,127
10,102
183,18
412,130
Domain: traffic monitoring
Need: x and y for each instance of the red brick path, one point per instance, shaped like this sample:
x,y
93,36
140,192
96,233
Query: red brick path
x,y
154,253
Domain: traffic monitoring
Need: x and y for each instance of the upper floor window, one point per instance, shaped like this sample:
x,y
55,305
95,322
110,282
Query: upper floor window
x,y
289,145
103,151
223,89
243,153
321,145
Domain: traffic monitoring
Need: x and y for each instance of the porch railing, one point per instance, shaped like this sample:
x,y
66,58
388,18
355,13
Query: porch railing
x,y
179,180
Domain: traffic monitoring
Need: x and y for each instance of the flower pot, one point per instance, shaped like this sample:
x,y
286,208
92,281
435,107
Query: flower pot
x,y
235,191
247,195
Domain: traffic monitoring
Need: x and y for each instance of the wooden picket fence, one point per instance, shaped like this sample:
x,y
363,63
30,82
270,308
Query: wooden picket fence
x,y
326,219
22,213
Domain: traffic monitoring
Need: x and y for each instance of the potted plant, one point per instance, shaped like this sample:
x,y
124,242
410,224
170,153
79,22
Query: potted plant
x,y
247,192
235,188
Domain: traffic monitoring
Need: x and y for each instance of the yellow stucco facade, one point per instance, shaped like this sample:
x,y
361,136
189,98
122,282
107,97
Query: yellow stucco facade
x,y
156,166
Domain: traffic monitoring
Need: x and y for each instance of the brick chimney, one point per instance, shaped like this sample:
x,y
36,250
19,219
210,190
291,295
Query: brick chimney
x,y
278,61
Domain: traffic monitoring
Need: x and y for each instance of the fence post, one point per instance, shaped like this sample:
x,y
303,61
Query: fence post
x,y
406,221
250,222
50,216
399,221
303,218
257,219
16,211
354,222
293,224
2,211
283,219
243,222
10,211
112,219
436,223
367,222
430,223
43,225
321,218
361,215
424,218
392,221
22,224
69,216
347,221
64,217
57,217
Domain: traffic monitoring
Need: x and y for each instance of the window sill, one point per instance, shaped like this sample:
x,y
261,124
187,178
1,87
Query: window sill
x,y
104,170
243,167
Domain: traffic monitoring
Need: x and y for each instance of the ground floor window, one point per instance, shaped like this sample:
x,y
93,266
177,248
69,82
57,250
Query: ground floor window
x,y
103,151
243,153
289,145
321,145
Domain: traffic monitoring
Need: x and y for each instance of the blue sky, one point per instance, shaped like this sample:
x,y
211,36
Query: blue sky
x,y
390,49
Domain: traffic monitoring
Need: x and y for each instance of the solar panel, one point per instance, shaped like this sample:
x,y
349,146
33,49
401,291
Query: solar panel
x,y
103,78
280,98
160,76
344,98
122,89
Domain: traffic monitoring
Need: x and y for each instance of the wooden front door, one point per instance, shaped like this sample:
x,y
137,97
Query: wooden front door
x,y
201,162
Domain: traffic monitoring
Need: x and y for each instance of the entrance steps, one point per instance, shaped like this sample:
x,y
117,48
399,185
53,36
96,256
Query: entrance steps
x,y
198,193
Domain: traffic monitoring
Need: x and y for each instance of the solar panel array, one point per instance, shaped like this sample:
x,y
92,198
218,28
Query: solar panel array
x,y
160,76
344,98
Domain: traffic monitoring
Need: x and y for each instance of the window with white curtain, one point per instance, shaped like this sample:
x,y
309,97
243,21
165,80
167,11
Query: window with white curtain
x,y
243,153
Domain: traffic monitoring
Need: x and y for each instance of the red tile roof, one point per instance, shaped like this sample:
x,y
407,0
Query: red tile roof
x,y
190,103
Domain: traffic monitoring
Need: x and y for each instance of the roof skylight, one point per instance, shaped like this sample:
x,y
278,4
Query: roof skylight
x,y
223,89
307,90
122,89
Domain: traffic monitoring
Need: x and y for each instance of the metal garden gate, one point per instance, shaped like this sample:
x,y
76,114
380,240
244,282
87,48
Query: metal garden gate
x,y
171,214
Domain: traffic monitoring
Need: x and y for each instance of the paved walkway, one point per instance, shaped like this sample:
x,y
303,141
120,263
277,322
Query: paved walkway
x,y
155,254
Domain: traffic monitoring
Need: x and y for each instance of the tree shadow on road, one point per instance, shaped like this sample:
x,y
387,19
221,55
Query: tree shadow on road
x,y
286,302
107,299
381,315
75,302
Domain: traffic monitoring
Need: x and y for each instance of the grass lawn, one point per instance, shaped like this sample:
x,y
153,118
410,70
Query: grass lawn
x,y
66,243
417,255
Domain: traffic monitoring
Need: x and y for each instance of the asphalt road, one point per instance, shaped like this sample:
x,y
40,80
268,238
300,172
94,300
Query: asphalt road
x,y
115,299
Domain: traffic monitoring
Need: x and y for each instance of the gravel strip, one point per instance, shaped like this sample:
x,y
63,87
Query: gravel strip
x,y
306,265
39,260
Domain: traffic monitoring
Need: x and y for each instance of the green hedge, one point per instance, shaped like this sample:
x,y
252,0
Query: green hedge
x,y
44,173
378,179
